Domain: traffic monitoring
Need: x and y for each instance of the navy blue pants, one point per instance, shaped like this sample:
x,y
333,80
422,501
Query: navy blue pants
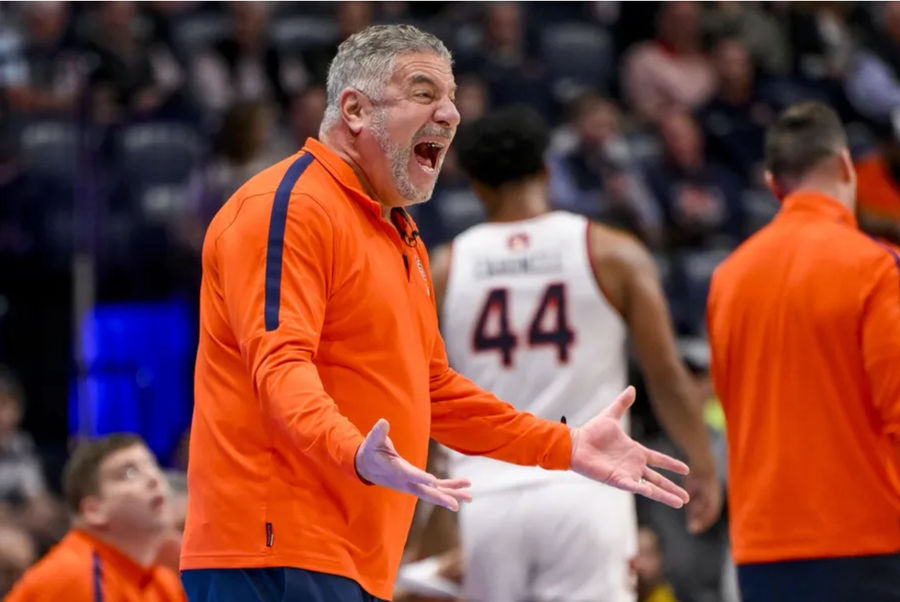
x,y
844,579
279,584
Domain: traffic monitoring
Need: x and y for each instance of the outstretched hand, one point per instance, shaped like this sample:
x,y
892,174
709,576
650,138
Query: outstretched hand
x,y
378,462
602,451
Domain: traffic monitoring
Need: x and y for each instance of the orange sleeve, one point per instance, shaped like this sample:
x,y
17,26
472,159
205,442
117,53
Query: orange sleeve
x,y
470,420
881,342
279,353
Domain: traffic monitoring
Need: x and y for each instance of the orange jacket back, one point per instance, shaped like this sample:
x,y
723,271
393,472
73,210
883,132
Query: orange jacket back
x,y
804,325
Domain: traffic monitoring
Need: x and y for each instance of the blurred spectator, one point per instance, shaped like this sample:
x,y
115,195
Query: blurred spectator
x,y
878,189
351,17
43,72
701,200
472,97
17,553
598,177
244,147
670,70
24,499
121,515
21,478
648,566
132,75
305,113
735,120
822,38
504,59
245,65
759,30
873,84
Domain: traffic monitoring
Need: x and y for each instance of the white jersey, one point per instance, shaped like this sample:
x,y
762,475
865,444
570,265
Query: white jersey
x,y
524,318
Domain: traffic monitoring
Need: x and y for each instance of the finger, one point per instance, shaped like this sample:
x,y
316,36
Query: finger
x,y
462,495
649,490
621,403
665,484
660,460
413,474
453,483
435,496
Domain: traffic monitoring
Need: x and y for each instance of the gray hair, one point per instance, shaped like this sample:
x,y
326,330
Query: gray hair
x,y
365,61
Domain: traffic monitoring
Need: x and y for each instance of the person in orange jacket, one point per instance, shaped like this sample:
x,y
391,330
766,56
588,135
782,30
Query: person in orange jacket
x,y
804,328
120,503
318,324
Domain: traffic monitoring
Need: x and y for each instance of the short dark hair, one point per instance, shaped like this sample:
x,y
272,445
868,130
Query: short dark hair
x,y
10,386
503,146
802,137
81,475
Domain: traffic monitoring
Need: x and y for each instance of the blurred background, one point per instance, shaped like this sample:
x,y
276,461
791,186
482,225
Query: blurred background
x,y
124,126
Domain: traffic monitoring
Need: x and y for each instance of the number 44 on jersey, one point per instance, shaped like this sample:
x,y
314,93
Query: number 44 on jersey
x,y
549,326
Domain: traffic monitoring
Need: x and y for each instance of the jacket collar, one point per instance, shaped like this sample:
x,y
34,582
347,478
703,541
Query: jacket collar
x,y
819,205
111,556
341,171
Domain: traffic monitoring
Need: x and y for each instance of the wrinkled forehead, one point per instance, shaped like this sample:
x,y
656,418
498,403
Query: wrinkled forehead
x,y
416,67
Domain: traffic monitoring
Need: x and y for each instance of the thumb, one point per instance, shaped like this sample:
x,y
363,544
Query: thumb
x,y
621,403
379,432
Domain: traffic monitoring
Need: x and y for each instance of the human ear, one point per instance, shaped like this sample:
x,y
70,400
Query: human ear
x,y
93,511
355,109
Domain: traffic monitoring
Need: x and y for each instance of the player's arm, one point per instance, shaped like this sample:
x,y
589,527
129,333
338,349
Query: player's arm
x,y
277,320
626,273
881,344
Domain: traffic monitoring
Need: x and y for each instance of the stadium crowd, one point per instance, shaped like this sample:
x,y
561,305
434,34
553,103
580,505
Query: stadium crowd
x,y
124,126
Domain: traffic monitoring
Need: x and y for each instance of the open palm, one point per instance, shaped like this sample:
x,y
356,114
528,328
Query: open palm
x,y
602,451
378,462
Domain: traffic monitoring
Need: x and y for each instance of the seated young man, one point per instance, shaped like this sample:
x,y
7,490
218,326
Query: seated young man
x,y
121,517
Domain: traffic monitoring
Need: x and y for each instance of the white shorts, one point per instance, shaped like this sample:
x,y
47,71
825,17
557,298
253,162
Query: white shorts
x,y
571,541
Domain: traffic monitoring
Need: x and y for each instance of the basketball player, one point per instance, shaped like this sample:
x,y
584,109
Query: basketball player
x,y
536,306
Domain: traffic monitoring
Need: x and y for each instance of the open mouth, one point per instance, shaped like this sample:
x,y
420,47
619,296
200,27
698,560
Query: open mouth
x,y
428,154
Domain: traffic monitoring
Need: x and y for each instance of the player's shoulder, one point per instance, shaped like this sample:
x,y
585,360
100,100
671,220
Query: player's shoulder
x,y
610,247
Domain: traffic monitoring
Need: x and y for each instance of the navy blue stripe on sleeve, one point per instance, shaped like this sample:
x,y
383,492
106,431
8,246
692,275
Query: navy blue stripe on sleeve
x,y
895,255
98,579
275,248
